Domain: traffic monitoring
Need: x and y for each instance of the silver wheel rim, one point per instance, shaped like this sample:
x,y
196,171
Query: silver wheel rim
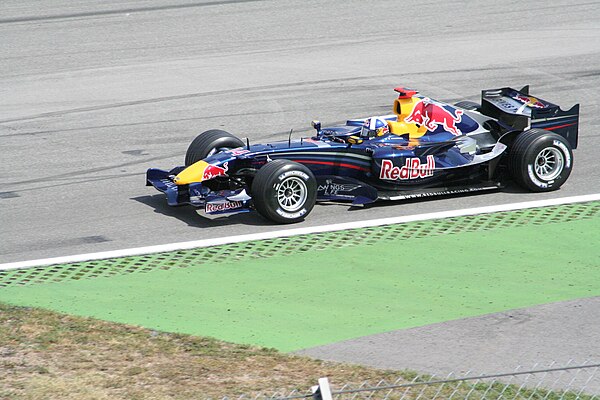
x,y
549,163
291,194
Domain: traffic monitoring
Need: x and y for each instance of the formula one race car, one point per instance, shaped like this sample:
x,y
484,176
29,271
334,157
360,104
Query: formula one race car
x,y
425,148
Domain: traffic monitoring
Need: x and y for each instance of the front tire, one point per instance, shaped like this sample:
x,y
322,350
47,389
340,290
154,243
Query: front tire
x,y
540,161
208,143
284,191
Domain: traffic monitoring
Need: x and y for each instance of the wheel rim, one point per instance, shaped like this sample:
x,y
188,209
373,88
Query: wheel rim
x,y
549,163
291,194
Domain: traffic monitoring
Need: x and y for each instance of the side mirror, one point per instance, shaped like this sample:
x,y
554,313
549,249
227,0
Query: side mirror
x,y
354,140
316,124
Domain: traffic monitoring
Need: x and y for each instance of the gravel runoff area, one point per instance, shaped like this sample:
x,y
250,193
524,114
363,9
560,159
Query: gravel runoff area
x,y
498,342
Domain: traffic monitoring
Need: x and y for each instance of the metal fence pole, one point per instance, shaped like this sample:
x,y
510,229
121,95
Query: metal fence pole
x,y
322,391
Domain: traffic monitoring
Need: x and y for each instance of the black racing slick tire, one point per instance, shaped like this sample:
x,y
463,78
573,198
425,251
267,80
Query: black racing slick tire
x,y
468,105
208,143
284,191
540,161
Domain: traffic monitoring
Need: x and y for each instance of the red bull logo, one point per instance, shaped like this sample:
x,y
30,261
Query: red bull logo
x,y
432,115
413,168
529,101
223,206
212,171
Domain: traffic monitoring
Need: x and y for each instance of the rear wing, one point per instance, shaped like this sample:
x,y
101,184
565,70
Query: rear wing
x,y
522,111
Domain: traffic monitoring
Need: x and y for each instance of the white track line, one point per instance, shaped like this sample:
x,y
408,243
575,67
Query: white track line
x,y
298,231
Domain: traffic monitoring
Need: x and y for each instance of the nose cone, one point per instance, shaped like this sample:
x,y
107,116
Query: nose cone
x,y
193,173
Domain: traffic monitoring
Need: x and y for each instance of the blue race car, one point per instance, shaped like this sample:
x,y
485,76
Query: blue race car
x,y
425,148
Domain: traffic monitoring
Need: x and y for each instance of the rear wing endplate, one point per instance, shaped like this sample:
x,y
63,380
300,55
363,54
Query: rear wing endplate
x,y
522,111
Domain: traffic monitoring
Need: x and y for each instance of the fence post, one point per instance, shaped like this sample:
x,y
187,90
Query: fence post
x,y
322,391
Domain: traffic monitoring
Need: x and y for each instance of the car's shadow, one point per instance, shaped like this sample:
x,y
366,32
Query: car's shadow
x,y
508,188
513,188
190,216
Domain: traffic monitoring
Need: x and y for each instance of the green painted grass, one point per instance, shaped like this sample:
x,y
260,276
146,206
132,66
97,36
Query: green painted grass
x,y
319,297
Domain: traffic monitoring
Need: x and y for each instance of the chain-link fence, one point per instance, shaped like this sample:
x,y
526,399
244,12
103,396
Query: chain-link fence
x,y
570,382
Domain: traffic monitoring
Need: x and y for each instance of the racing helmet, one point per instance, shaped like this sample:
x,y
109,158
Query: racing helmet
x,y
374,126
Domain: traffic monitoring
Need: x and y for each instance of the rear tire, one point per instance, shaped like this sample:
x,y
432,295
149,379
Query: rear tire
x,y
208,143
540,161
468,105
284,191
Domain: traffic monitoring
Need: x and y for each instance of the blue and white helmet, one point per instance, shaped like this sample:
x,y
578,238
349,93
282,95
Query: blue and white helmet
x,y
374,126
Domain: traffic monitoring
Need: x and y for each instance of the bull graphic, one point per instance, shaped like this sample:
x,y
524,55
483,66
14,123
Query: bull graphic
x,y
213,171
529,101
430,114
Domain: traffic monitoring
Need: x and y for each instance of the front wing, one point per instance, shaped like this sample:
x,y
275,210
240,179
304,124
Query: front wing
x,y
198,195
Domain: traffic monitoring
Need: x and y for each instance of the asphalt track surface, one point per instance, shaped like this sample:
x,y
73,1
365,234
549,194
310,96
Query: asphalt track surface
x,y
94,93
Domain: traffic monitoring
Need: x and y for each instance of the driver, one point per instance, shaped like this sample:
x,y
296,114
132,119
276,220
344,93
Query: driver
x,y
373,127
